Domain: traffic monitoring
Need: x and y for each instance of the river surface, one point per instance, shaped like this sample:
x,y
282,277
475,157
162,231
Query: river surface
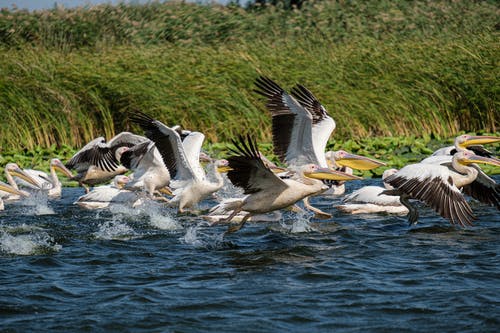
x,y
67,269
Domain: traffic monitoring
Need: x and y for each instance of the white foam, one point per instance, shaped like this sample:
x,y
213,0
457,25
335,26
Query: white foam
x,y
27,244
115,230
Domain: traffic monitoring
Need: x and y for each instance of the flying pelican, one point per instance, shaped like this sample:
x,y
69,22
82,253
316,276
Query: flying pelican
x,y
13,170
369,199
439,186
301,128
468,142
6,189
149,172
98,161
483,188
49,183
106,195
265,191
182,158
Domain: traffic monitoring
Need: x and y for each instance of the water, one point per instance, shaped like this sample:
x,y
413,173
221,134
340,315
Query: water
x,y
65,269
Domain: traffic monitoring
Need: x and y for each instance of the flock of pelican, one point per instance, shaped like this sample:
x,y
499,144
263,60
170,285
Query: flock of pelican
x,y
166,164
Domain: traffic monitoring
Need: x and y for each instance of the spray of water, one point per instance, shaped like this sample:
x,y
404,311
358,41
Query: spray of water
x,y
35,242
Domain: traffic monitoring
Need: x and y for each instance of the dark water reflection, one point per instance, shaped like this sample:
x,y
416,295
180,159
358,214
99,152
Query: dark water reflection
x,y
66,269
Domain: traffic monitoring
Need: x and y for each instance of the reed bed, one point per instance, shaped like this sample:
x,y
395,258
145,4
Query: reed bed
x,y
391,68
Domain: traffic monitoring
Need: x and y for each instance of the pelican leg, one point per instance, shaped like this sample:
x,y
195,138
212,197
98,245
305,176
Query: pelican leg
x,y
234,228
319,214
412,211
229,218
295,209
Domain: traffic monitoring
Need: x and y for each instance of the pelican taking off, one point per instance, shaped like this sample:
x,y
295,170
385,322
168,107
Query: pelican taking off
x,y
265,191
13,170
439,186
105,195
49,183
98,161
182,158
149,172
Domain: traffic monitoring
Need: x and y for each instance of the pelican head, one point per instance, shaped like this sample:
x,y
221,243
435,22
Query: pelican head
x,y
120,181
464,141
222,166
14,170
389,172
56,164
119,152
205,158
468,157
316,172
353,161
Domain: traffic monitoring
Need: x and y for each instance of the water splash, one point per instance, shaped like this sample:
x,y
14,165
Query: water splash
x,y
195,237
301,223
27,244
37,204
115,230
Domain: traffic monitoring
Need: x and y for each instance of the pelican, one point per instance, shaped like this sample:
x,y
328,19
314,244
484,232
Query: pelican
x,y
468,142
149,172
369,199
49,183
105,195
439,186
13,170
301,128
6,189
97,162
265,191
189,182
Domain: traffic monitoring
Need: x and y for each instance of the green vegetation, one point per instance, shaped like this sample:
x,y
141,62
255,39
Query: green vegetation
x,y
418,69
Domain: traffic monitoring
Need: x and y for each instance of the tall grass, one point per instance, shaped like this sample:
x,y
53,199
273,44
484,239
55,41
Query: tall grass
x,y
386,68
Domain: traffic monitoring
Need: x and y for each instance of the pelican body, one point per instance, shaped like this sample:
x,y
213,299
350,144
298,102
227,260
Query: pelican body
x,y
266,192
439,186
98,162
189,182
369,199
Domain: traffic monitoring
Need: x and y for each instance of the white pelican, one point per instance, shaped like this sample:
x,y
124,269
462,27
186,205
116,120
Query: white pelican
x,y
468,142
106,195
188,180
301,128
13,170
149,172
369,199
98,161
439,186
49,183
6,189
265,191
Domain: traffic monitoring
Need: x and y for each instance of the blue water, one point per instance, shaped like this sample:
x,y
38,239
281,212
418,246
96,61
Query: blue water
x,y
66,269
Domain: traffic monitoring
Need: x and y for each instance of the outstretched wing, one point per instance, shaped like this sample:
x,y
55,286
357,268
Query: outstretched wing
x,y
248,169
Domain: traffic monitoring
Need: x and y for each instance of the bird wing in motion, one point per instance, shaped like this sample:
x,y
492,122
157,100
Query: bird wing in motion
x,y
433,185
248,169
291,124
169,145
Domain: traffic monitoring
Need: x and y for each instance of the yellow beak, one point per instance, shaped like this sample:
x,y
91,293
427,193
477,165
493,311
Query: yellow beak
x,y
24,176
9,189
223,169
480,140
482,160
358,162
63,170
166,190
329,174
